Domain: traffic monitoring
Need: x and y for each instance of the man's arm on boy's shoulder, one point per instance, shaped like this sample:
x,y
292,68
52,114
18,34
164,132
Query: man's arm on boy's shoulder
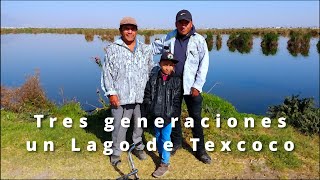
x,y
157,45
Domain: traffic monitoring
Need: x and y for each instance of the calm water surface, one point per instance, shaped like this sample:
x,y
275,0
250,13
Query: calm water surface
x,y
251,82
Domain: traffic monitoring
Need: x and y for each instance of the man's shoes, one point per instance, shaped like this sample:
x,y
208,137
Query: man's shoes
x,y
140,154
174,149
162,170
204,157
115,160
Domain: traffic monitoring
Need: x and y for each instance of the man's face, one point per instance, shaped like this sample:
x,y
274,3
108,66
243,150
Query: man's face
x,y
184,27
166,66
128,32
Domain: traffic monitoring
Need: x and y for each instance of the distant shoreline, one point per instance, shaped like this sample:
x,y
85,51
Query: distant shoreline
x,y
314,32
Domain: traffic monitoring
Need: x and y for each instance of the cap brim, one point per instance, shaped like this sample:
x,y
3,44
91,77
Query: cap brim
x,y
128,24
183,18
173,60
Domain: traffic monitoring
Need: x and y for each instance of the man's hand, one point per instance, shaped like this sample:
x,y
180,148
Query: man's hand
x,y
114,100
194,92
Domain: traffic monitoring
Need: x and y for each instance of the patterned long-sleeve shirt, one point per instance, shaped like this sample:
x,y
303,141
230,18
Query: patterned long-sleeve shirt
x,y
125,73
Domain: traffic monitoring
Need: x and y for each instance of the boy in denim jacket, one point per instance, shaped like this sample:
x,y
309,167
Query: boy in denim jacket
x,y
162,98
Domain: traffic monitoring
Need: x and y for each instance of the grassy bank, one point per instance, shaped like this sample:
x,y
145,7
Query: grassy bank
x,y
17,162
18,126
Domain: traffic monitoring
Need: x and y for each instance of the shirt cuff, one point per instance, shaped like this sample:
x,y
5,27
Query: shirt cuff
x,y
110,93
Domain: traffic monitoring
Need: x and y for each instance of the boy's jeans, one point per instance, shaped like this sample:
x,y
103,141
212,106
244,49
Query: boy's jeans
x,y
163,135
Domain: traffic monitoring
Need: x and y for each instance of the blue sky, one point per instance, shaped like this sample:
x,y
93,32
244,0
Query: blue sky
x,y
159,14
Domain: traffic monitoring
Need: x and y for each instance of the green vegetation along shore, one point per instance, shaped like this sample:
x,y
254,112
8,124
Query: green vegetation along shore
x,y
19,126
149,32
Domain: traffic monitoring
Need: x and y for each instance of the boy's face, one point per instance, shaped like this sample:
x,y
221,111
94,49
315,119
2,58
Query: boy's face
x,y
167,66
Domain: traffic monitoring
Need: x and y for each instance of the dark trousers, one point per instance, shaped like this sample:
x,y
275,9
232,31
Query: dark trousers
x,y
194,105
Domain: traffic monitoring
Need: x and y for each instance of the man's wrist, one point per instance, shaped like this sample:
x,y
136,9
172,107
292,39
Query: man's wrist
x,y
193,88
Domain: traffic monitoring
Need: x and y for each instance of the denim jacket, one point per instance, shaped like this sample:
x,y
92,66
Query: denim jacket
x,y
197,62
125,73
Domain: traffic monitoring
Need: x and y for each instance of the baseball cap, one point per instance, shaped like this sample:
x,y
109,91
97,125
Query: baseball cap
x,y
183,15
169,56
128,20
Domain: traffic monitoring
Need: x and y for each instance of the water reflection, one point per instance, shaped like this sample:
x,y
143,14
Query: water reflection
x,y
299,43
251,82
106,37
89,37
269,50
147,37
269,44
242,42
304,49
209,40
218,42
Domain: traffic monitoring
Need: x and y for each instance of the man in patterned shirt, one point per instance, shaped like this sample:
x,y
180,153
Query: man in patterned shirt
x,y
126,68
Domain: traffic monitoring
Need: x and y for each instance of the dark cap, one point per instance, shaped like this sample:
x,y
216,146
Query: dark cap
x,y
183,15
169,56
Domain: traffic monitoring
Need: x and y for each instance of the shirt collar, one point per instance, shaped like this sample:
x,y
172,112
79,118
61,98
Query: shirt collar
x,y
120,42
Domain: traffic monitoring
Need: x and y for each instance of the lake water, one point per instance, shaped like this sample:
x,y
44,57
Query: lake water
x,y
251,82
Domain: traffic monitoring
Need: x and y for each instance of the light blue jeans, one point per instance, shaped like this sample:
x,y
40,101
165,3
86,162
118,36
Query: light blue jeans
x,y
163,135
